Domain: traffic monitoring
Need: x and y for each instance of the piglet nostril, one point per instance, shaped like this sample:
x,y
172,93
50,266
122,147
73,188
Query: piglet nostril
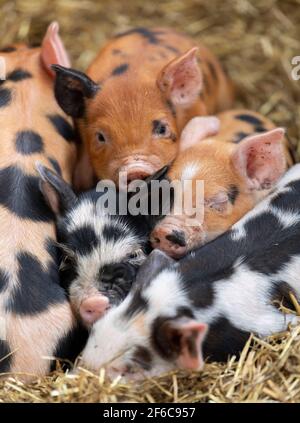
x,y
177,237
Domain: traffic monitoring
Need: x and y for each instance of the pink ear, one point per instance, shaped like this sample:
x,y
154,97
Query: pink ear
x,y
192,334
198,129
181,79
52,50
260,159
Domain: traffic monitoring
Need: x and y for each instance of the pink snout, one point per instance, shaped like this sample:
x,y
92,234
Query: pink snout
x,y
170,240
92,308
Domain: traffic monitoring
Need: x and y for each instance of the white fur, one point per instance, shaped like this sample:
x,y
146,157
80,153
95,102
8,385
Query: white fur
x,y
190,171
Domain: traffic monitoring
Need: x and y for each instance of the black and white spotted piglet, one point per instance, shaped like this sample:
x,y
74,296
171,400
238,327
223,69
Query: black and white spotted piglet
x,y
206,305
101,252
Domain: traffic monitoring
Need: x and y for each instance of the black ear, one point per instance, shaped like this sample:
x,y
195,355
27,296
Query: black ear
x,y
71,88
152,266
58,194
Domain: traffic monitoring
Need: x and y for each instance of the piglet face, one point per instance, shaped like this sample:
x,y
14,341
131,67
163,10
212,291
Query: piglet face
x,y
144,336
141,138
235,178
100,253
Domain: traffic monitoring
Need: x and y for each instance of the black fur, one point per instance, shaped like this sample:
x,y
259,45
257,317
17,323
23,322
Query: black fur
x,y
223,340
239,136
29,142
55,165
250,119
3,280
63,127
148,34
83,240
38,289
5,97
119,70
19,75
20,194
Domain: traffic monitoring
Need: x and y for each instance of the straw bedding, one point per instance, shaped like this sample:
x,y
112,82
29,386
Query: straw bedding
x,y
256,41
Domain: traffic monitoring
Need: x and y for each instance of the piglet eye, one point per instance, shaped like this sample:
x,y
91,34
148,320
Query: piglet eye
x,y
100,137
160,129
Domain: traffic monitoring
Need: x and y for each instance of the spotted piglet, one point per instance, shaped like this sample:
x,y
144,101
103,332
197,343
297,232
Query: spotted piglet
x,y
101,249
205,306
239,156
138,93
36,320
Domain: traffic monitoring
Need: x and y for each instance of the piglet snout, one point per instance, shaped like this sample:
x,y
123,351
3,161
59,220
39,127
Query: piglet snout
x,y
92,308
171,241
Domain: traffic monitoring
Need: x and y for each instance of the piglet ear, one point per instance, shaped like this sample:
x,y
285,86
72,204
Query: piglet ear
x,y
260,159
197,129
183,338
181,79
53,50
58,194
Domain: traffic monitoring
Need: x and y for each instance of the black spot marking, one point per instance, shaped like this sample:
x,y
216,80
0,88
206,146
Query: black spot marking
x,y
52,249
38,288
83,240
63,127
19,75
177,237
172,49
3,280
249,119
213,71
260,129
233,193
223,340
138,304
171,106
8,49
29,142
70,346
20,194
151,36
55,165
5,97
111,233
239,136
5,357
143,357
119,70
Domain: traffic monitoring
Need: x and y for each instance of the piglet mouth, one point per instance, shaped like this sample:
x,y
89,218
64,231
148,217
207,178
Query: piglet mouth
x,y
137,170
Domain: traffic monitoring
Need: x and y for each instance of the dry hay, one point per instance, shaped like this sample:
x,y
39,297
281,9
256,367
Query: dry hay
x,y
256,41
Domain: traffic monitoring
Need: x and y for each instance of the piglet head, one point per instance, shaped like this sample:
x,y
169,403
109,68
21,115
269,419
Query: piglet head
x,y
125,129
235,178
143,336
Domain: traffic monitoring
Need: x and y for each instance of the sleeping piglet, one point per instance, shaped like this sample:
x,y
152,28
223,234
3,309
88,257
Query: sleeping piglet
x,y
239,156
205,306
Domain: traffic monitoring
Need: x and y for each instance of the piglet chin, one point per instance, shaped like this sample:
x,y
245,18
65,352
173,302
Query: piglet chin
x,y
92,308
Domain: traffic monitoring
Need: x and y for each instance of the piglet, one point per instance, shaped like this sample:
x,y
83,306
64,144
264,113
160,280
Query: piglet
x,y
205,306
239,156
101,249
36,319
138,93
